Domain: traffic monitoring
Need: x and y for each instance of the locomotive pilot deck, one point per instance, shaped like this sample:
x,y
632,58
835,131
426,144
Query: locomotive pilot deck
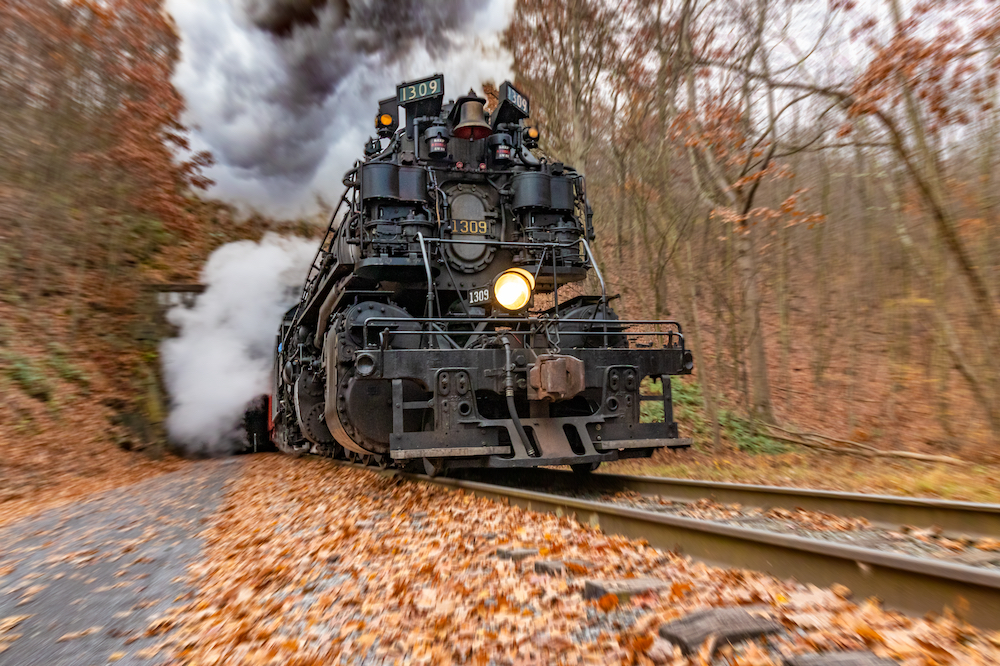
x,y
596,419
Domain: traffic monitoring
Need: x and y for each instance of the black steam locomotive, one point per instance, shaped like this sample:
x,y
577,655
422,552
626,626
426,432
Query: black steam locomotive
x,y
416,341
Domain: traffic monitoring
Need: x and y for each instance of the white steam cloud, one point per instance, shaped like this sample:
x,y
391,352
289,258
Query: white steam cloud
x,y
223,357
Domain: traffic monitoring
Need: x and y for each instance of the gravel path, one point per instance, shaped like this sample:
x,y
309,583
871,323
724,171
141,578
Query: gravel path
x,y
81,584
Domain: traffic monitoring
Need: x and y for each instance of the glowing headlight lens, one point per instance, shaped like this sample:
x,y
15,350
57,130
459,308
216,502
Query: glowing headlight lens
x,y
513,288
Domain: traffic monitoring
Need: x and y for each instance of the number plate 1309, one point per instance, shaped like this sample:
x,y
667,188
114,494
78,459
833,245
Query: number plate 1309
x,y
479,296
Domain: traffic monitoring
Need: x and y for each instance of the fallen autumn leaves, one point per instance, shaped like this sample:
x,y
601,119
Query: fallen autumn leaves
x,y
311,563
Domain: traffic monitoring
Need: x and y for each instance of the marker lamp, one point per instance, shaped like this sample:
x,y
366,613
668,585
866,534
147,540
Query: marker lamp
x,y
512,289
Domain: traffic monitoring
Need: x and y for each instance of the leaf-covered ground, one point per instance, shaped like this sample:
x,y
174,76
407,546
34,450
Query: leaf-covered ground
x,y
809,469
58,436
312,563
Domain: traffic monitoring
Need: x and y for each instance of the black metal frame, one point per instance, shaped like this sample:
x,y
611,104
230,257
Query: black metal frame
x,y
463,435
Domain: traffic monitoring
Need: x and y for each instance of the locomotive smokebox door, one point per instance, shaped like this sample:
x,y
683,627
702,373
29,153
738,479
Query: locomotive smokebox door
x,y
473,227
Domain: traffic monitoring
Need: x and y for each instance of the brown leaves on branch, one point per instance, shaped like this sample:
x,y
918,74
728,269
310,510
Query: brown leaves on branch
x,y
943,51
740,122
102,72
96,179
141,49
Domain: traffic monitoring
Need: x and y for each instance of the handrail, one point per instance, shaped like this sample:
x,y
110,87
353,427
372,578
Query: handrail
x,y
616,327
502,243
314,268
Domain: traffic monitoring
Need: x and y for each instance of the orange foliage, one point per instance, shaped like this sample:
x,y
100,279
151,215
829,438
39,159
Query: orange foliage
x,y
111,63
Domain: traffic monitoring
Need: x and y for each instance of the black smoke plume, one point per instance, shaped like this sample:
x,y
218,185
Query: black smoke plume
x,y
321,42
269,81
281,18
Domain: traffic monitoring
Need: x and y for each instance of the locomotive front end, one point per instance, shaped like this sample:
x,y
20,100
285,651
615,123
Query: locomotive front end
x,y
519,393
434,327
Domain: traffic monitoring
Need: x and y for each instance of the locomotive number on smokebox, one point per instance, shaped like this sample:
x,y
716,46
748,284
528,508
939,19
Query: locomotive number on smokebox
x,y
470,227
477,296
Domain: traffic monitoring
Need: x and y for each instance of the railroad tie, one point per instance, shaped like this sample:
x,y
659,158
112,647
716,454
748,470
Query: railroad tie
x,y
516,554
724,625
859,658
624,588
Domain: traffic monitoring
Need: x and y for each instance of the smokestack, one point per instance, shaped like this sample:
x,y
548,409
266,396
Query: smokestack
x,y
282,91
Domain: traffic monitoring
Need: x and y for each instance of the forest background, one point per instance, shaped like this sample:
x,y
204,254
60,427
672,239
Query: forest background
x,y
807,186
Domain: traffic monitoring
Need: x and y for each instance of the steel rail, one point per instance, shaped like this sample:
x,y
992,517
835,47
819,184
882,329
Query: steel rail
x,y
909,584
954,518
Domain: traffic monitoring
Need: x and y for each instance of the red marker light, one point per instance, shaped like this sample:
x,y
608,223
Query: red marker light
x,y
459,165
482,166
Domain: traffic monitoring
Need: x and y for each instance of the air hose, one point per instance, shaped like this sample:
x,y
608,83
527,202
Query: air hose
x,y
509,391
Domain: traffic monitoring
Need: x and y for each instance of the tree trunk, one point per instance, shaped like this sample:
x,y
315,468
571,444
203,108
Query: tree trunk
x,y
704,368
577,153
760,385
930,181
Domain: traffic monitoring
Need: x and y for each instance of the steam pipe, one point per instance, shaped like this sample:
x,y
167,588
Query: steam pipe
x,y
528,158
555,284
430,280
509,392
597,270
604,292
454,283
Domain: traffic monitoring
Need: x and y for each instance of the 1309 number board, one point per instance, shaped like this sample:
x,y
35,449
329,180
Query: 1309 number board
x,y
411,92
479,296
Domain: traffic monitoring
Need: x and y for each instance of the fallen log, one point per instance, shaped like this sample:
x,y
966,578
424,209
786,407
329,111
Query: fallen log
x,y
852,448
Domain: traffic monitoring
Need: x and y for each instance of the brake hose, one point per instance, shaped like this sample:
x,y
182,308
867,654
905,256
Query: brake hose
x,y
509,391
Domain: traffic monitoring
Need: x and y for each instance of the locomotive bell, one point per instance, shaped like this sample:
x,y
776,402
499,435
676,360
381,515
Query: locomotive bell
x,y
472,123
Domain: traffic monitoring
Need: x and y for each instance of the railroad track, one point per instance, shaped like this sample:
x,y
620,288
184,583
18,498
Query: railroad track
x,y
910,584
955,518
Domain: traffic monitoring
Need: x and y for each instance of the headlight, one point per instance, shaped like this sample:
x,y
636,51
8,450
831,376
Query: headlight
x,y
513,288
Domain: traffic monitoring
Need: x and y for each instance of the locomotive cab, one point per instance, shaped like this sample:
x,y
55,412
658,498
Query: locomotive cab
x,y
431,330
